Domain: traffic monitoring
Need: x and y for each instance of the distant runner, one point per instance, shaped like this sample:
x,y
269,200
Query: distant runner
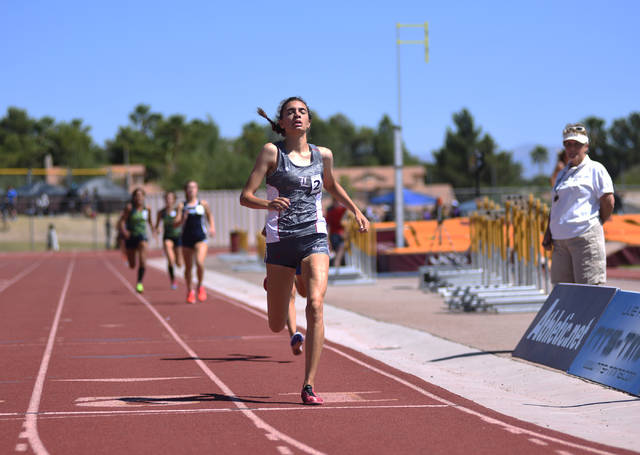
x,y
132,225
194,215
171,235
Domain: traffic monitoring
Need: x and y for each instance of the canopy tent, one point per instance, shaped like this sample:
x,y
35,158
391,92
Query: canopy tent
x,y
37,189
410,198
467,207
104,188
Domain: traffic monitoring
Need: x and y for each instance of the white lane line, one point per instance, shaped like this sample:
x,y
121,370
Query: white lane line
x,y
21,447
221,410
284,450
257,421
5,284
127,379
483,417
538,441
31,420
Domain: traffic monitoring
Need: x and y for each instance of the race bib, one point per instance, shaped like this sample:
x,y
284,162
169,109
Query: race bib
x,y
316,184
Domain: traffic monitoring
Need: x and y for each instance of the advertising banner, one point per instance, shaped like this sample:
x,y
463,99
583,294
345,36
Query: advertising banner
x,y
611,353
563,324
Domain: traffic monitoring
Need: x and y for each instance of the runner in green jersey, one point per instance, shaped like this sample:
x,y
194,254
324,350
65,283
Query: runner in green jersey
x,y
171,236
132,224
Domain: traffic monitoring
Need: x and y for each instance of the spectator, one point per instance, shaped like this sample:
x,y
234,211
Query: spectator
x,y
560,165
582,199
335,212
52,239
86,203
455,209
10,205
438,211
42,204
371,214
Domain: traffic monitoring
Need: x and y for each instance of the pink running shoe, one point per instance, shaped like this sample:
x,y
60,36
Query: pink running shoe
x,y
191,297
202,294
309,397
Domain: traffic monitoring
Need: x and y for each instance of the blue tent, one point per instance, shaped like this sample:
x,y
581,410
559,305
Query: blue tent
x,y
410,198
467,207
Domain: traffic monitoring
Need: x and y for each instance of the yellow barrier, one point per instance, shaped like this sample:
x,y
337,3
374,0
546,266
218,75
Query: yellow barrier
x,y
53,171
506,241
361,248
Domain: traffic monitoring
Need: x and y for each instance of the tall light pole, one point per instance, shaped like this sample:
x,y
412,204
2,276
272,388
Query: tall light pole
x,y
397,136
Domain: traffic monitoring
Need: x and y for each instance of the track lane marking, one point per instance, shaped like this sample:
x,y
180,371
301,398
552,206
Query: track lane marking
x,y
6,283
31,419
509,427
127,379
257,421
132,412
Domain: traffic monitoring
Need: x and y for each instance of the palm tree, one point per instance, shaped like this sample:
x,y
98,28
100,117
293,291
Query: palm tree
x,y
539,155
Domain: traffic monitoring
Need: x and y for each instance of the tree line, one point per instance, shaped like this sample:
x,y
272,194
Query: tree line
x,y
174,150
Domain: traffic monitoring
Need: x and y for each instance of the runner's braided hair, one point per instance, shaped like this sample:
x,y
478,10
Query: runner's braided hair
x,y
274,125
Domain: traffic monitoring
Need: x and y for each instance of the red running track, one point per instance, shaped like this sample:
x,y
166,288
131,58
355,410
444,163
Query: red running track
x,y
88,366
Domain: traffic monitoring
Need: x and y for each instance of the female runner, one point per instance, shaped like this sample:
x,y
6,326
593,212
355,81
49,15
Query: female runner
x,y
296,173
171,235
132,226
191,215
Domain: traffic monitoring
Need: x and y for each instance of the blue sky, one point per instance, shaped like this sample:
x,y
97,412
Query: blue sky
x,y
523,69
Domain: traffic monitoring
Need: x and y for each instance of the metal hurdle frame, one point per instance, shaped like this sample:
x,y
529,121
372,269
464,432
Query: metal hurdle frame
x,y
509,269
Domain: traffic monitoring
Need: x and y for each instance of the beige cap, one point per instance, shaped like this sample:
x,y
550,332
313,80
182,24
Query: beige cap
x,y
575,132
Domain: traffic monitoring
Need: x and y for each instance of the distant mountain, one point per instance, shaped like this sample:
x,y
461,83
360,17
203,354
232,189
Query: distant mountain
x,y
522,154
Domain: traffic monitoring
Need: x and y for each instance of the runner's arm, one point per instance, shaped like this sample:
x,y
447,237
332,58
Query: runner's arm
x,y
149,219
265,162
178,221
158,218
122,221
336,190
210,220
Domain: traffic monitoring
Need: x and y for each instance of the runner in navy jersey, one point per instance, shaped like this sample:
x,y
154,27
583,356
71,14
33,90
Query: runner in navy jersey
x,y
296,173
194,215
171,235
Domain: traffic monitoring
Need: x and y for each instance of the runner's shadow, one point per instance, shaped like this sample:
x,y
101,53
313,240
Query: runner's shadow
x,y
470,354
581,405
202,398
175,302
233,358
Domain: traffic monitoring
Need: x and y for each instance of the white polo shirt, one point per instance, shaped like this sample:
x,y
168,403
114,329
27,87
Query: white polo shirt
x,y
575,199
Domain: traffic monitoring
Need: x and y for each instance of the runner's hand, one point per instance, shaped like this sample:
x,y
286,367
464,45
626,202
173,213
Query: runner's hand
x,y
279,204
363,222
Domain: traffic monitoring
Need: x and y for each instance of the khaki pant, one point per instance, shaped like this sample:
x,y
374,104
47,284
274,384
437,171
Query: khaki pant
x,y
581,259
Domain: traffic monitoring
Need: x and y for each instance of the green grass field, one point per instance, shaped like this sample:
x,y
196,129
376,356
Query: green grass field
x,y
74,233
12,247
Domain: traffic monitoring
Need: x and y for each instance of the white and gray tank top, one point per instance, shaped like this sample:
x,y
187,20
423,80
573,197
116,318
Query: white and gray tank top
x,y
302,185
